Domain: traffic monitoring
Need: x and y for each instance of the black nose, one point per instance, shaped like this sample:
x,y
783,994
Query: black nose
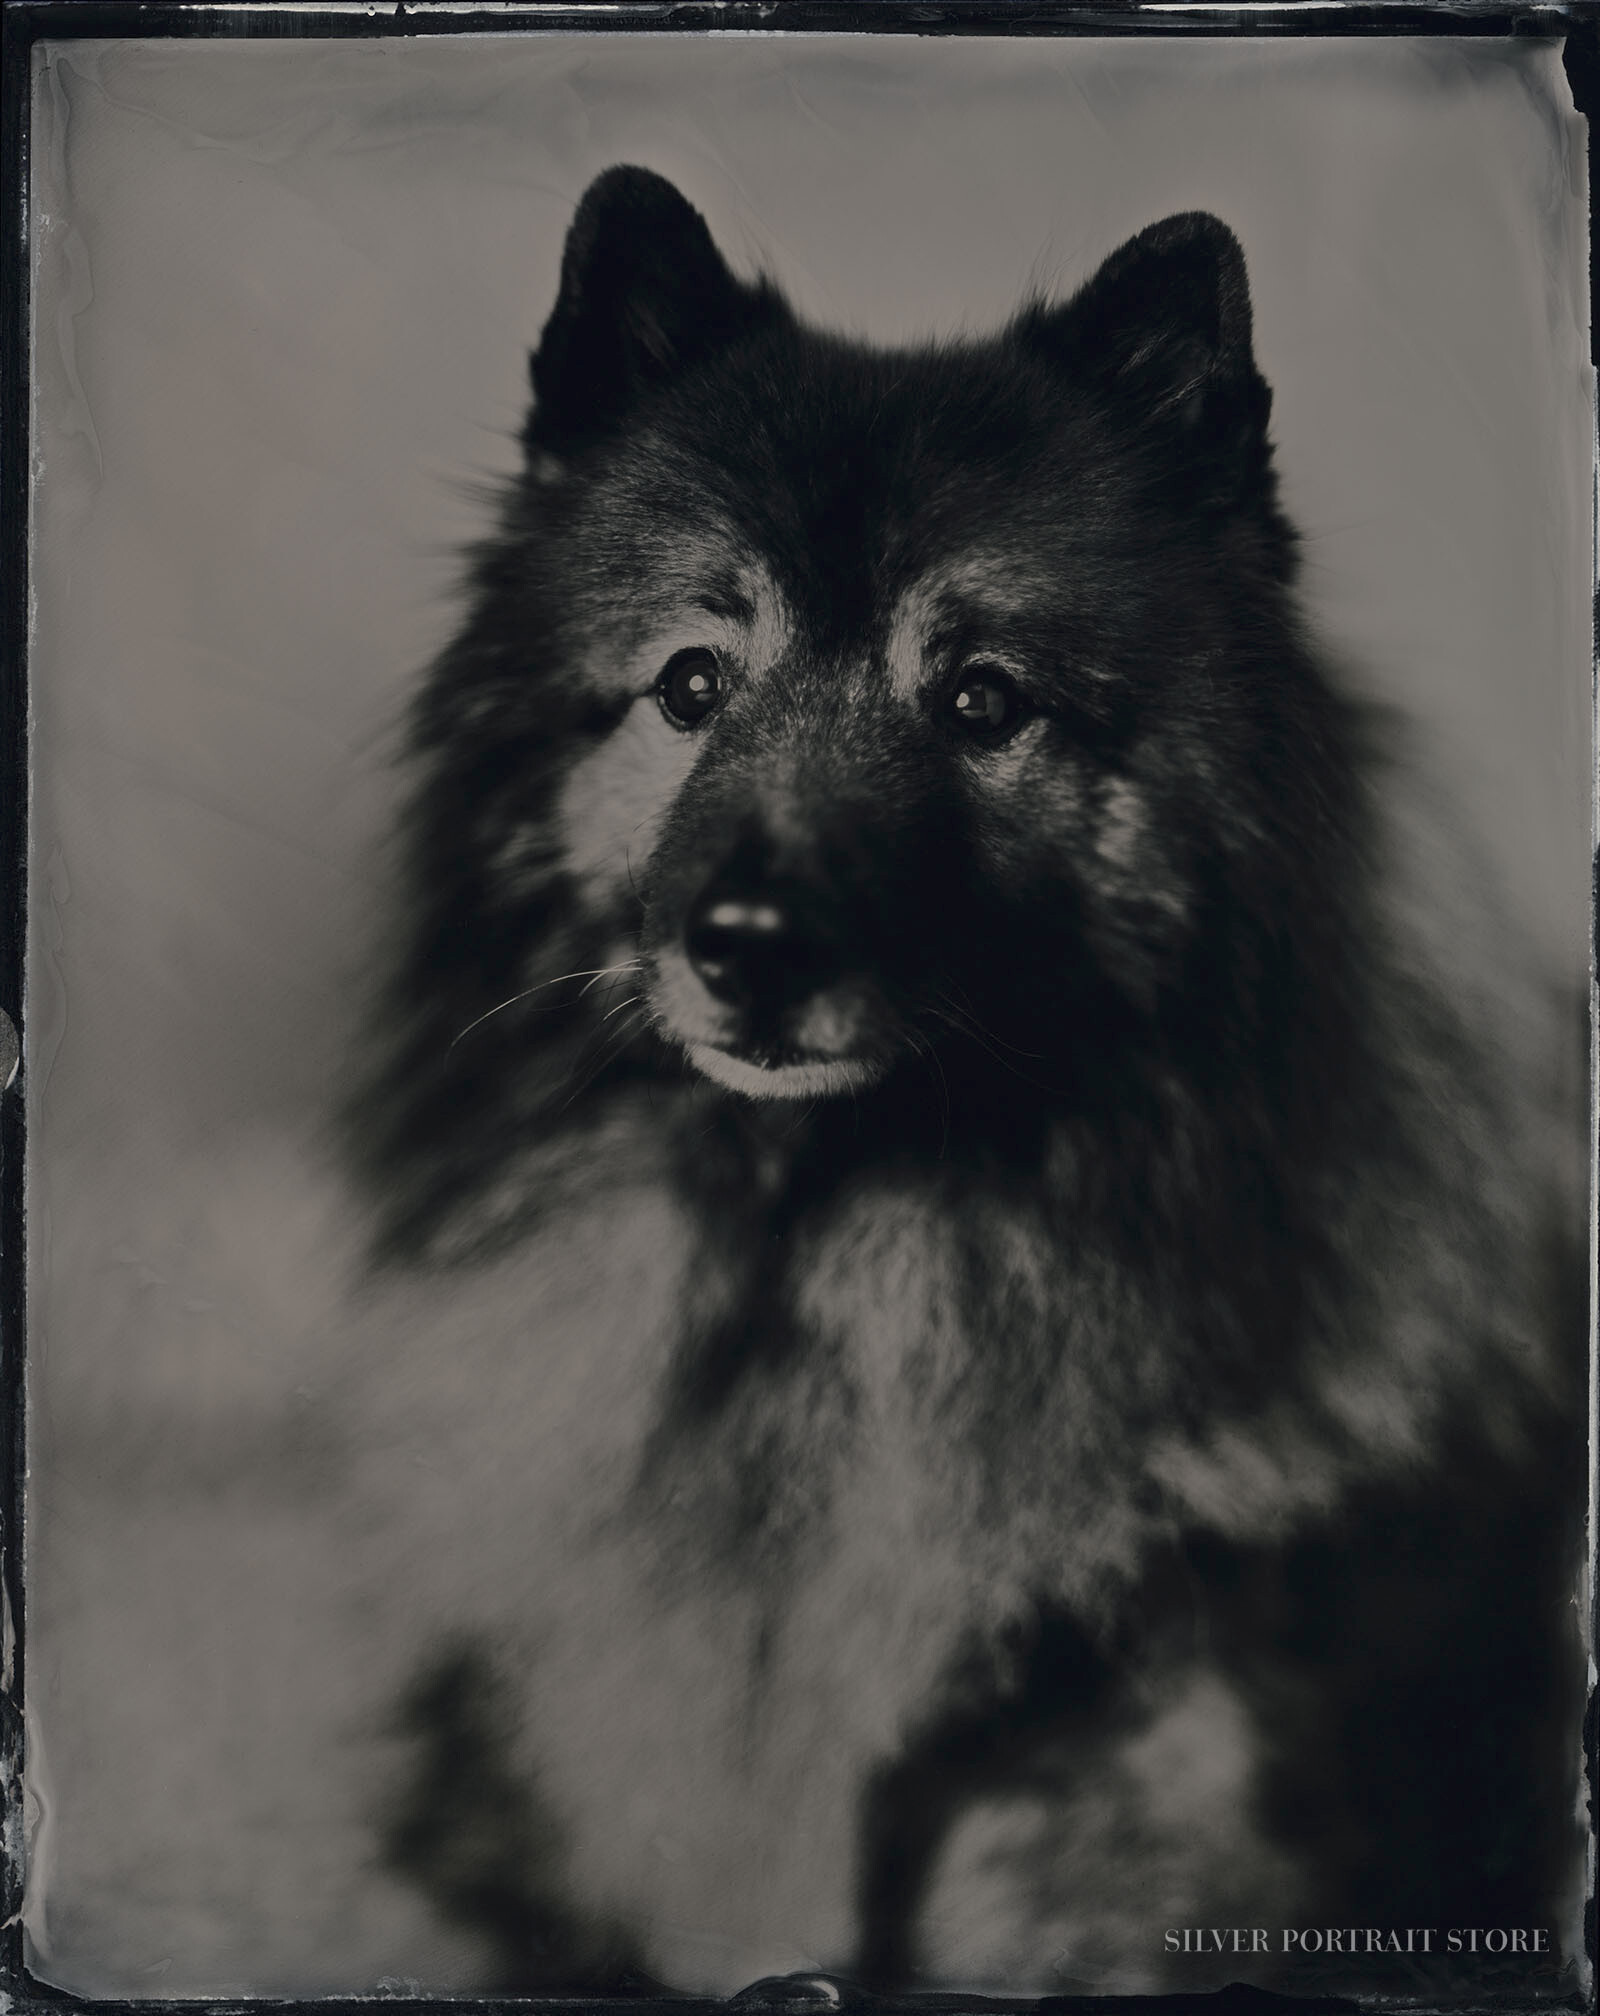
x,y
757,949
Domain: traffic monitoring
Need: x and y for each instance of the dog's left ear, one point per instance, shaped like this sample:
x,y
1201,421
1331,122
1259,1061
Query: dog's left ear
x,y
644,295
1163,330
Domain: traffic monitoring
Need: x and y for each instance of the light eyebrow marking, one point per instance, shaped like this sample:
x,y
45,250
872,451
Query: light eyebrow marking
x,y
729,604
746,622
983,584
910,634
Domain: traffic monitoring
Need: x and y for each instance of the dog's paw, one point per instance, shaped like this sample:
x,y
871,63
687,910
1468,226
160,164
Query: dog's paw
x,y
1077,1884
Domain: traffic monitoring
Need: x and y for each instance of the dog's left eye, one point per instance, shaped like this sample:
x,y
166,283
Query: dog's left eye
x,y
986,701
690,687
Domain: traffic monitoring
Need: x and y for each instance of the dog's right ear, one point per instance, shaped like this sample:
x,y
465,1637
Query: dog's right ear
x,y
644,294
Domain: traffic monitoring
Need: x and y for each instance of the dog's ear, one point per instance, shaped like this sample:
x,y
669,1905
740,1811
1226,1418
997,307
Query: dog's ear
x,y
1163,329
644,294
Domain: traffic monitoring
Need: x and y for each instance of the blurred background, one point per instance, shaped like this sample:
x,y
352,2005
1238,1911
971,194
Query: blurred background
x,y
284,293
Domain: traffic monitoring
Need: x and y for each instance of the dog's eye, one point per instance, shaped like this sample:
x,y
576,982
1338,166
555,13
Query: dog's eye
x,y
690,687
986,701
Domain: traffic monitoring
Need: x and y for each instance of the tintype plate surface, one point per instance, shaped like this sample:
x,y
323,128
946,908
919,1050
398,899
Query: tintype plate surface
x,y
831,1218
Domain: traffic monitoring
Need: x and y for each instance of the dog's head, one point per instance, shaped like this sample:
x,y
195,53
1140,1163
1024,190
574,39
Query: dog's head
x,y
824,711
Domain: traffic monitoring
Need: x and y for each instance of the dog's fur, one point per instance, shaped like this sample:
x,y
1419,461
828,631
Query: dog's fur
x,y
1050,1317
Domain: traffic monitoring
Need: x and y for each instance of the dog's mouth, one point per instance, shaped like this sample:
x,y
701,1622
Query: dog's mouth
x,y
793,1077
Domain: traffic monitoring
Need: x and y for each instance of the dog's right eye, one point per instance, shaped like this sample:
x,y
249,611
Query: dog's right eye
x,y
690,687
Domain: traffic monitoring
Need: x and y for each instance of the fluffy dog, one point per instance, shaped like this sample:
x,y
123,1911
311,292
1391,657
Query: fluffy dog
x,y
1052,1310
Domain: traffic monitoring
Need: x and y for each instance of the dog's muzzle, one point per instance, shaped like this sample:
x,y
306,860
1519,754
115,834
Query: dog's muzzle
x,y
760,986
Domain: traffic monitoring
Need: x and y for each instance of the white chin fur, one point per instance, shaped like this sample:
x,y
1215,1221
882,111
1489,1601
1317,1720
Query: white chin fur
x,y
827,1078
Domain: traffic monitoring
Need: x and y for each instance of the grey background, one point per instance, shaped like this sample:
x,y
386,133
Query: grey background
x,y
284,295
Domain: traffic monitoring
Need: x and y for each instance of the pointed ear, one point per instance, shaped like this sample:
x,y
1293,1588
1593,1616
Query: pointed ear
x,y
644,294
1163,329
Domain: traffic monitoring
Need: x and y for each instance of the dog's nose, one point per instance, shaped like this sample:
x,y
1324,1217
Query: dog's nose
x,y
753,949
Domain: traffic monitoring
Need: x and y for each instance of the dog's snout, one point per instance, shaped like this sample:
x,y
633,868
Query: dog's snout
x,y
757,948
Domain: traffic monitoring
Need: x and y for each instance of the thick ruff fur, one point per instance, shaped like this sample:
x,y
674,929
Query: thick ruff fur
x,y
1049,1366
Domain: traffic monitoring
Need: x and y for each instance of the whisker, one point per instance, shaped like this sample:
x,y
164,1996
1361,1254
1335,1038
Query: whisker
x,y
970,1021
589,973
927,1050
609,973
974,1031
609,1051
800,1119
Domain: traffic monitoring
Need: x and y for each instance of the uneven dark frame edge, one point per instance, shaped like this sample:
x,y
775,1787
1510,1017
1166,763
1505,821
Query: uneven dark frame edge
x,y
1576,23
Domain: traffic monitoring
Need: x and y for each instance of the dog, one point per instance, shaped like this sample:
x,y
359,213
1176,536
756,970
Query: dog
x,y
1051,1384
